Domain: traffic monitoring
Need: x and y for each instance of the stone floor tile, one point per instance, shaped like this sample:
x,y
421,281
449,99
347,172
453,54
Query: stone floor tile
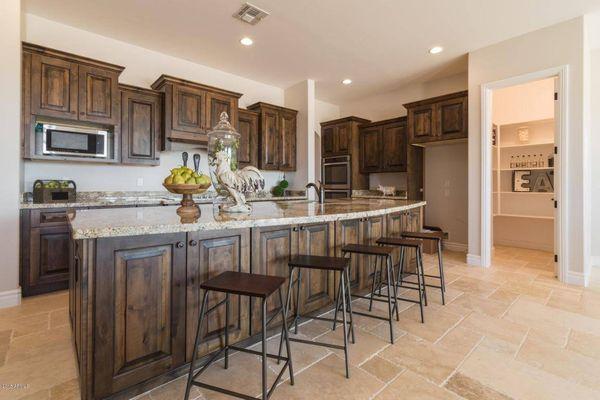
x,y
584,343
381,368
497,328
411,386
471,389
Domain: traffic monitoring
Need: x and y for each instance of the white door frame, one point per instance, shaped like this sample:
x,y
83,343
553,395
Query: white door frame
x,y
560,162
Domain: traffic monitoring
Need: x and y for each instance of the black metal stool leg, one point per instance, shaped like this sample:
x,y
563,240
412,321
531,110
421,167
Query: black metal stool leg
x,y
287,339
195,349
337,306
287,309
377,261
395,289
401,273
389,296
226,330
297,316
441,270
345,324
263,315
347,273
420,257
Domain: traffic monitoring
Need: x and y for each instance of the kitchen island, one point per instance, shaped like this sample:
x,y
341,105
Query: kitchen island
x,y
136,274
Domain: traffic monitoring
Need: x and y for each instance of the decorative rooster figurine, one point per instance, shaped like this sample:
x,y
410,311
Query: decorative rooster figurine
x,y
248,179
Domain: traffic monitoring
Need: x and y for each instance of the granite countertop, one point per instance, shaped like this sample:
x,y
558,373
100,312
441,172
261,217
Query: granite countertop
x,y
109,222
159,198
377,194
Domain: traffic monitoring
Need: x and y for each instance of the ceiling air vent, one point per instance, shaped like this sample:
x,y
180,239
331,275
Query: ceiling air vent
x,y
250,14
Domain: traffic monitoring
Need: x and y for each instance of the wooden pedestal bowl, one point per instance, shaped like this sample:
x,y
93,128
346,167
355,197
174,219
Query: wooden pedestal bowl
x,y
189,211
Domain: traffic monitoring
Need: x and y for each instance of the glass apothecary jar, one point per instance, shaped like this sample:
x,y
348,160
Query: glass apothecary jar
x,y
223,143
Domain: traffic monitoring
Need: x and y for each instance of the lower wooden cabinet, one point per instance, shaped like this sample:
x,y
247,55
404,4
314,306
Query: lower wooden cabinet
x,y
140,289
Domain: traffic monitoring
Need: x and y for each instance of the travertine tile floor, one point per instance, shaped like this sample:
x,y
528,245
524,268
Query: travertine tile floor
x,y
511,331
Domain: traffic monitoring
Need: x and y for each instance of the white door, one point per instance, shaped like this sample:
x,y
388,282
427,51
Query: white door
x,y
557,183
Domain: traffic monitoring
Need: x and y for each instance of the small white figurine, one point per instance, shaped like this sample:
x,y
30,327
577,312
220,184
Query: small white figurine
x,y
387,190
248,179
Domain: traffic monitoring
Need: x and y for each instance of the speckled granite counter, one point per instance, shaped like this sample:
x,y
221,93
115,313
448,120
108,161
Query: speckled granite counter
x,y
158,198
89,224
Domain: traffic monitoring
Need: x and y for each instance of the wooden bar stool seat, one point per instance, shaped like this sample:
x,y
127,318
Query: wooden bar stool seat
x,y
436,236
335,264
383,255
415,244
243,284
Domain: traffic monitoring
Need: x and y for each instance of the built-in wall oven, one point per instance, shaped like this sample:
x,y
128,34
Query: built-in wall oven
x,y
336,175
74,141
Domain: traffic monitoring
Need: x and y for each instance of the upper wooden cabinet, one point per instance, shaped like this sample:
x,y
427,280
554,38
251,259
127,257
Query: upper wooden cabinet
x,y
191,109
141,124
66,86
248,130
438,118
276,137
383,146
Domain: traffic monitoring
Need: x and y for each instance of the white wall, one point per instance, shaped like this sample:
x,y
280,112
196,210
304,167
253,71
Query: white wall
x,y
443,163
593,39
324,111
142,68
520,103
10,111
557,45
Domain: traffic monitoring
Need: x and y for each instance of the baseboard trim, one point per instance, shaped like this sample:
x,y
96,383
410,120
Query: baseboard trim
x,y
578,278
455,246
523,244
474,259
595,261
10,298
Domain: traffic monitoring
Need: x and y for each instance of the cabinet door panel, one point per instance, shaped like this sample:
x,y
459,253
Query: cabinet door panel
x,y
342,143
140,313
215,253
54,87
317,286
99,99
140,128
248,130
287,141
269,146
394,147
49,255
374,228
189,112
421,124
348,232
452,118
272,248
370,152
327,141
216,104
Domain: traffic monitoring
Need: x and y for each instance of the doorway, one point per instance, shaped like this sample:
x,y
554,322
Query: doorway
x,y
521,196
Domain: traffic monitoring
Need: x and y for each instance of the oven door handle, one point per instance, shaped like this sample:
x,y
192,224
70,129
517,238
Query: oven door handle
x,y
336,163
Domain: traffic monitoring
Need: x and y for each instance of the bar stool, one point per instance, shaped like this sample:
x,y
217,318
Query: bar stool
x,y
243,284
382,254
437,237
420,285
335,264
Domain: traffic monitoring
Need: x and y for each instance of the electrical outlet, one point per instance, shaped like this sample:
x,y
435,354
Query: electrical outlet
x,y
447,183
140,181
446,192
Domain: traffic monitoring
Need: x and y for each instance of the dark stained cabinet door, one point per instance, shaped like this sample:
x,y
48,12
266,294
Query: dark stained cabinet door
x,y
317,287
49,255
189,110
393,139
269,146
370,151
140,313
327,141
287,141
248,146
343,135
141,123
54,87
348,232
421,125
272,248
210,254
452,119
99,98
373,229
217,103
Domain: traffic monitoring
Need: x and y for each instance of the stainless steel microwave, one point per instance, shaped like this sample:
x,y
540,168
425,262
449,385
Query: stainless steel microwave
x,y
69,140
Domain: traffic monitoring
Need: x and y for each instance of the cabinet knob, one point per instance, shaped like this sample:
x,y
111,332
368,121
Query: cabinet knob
x,y
193,243
179,245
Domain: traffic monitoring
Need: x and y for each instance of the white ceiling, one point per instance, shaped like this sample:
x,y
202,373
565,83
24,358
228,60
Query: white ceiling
x,y
379,44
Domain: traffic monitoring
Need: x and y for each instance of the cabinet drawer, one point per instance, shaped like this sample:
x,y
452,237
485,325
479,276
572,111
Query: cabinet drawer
x,y
51,217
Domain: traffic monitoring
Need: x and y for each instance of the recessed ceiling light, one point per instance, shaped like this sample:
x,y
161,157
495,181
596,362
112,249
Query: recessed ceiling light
x,y
246,41
436,49
347,81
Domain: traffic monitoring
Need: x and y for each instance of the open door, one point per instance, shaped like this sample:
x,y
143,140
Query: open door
x,y
557,183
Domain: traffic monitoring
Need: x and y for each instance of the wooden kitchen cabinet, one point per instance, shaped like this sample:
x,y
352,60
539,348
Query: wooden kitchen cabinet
x,y
191,110
248,130
340,136
383,146
140,293
70,87
370,149
141,123
438,118
210,254
276,137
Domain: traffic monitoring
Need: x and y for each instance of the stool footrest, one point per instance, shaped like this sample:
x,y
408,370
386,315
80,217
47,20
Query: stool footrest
x,y
223,390
322,344
415,283
257,353
429,276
